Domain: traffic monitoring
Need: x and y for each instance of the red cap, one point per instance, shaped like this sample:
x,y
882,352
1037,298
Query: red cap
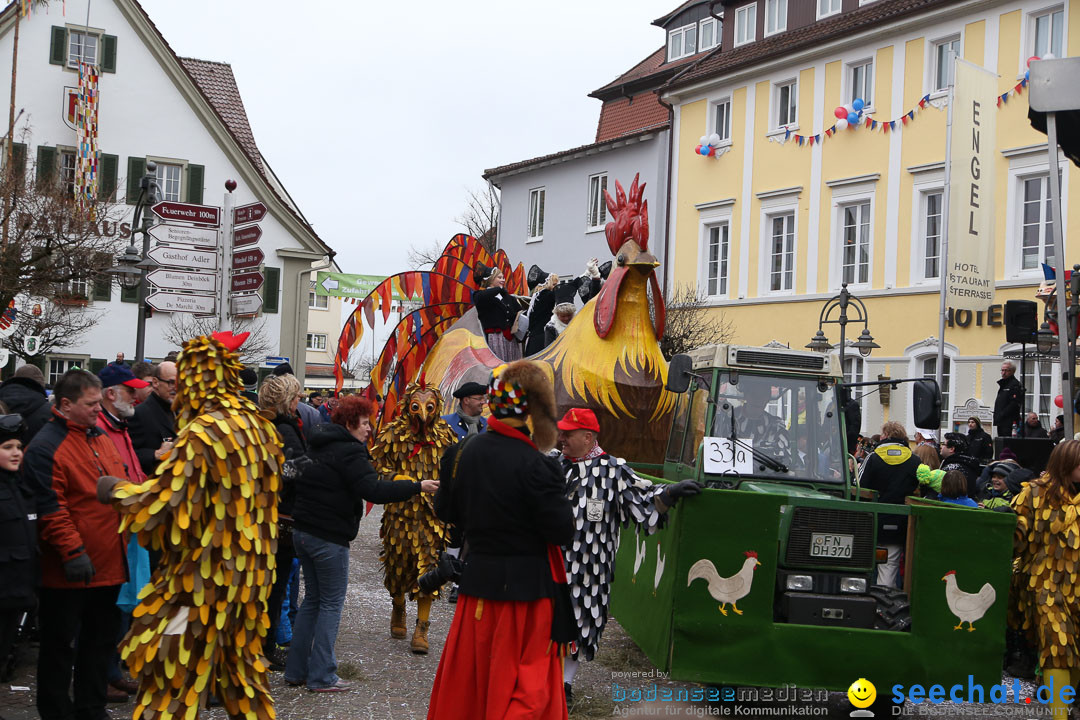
x,y
579,419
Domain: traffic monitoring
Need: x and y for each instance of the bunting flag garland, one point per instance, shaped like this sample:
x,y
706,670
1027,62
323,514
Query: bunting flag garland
x,y
86,154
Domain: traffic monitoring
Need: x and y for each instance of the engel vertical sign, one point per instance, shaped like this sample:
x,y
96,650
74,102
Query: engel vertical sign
x,y
970,269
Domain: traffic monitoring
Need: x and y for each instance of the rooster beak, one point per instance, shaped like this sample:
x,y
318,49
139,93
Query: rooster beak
x,y
944,576
630,255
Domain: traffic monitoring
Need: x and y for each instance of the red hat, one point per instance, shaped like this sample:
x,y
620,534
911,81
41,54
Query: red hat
x,y
579,419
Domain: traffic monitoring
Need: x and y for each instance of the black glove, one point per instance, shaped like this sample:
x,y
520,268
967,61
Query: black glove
x,y
79,569
683,488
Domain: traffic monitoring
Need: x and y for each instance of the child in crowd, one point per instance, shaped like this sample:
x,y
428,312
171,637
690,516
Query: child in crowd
x,y
18,537
954,489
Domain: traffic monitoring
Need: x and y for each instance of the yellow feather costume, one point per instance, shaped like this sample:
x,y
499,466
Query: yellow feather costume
x,y
211,507
1047,550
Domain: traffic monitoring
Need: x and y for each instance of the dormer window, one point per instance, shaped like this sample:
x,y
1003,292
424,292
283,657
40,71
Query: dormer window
x,y
775,16
745,24
709,33
825,8
682,42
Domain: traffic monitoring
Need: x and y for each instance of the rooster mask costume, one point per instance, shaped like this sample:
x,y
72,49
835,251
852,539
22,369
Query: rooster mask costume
x,y
211,508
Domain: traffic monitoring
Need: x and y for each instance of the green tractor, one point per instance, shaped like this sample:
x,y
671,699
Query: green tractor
x,y
767,578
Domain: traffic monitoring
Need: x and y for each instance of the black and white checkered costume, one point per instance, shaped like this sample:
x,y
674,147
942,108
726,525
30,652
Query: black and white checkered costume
x,y
604,493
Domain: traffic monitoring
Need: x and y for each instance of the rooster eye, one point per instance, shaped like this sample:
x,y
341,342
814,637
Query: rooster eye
x,y
621,259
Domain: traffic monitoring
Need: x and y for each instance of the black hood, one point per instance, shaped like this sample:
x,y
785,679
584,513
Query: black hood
x,y
329,433
1014,479
22,395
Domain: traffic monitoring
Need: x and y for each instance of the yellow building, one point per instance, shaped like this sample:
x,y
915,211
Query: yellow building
x,y
785,212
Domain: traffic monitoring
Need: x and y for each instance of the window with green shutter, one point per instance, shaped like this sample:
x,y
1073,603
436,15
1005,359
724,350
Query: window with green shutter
x,y
108,53
59,46
46,165
18,158
110,169
270,288
135,171
129,295
103,282
195,180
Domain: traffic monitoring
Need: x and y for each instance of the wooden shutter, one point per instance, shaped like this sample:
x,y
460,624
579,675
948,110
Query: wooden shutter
x,y
110,168
270,287
46,165
58,49
136,169
108,53
129,295
195,176
102,289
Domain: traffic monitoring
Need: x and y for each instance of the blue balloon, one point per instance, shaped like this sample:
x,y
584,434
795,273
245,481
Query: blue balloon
x,y
704,150
858,104
853,118
1027,75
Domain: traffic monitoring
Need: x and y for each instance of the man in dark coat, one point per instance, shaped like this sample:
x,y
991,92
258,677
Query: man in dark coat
x,y
955,456
24,394
980,444
1032,428
153,427
468,420
891,471
1010,398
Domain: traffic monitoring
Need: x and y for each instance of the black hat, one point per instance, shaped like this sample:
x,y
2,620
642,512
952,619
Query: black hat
x,y
482,272
469,389
250,378
283,369
12,427
536,277
566,290
605,269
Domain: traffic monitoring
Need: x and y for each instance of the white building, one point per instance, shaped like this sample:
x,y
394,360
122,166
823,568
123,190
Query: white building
x,y
187,116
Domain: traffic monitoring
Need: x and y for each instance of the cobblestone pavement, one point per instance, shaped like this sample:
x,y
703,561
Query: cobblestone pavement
x,y
391,682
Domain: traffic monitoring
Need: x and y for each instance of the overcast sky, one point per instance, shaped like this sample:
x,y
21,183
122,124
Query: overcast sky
x,y
379,119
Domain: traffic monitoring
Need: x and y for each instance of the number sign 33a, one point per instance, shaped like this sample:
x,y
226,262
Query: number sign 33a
x,y
724,457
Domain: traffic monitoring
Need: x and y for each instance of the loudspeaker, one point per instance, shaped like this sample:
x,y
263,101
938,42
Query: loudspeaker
x,y
1021,321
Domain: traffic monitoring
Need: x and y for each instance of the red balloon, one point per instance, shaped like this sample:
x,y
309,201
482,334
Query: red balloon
x,y
1032,59
840,112
1059,401
697,150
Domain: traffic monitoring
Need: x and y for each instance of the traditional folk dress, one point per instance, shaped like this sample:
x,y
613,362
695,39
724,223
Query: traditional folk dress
x,y
605,493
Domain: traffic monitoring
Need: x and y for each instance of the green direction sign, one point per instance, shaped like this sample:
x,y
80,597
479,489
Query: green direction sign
x,y
345,285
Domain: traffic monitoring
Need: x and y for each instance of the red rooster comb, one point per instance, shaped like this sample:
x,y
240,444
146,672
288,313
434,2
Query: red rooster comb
x,y
422,381
751,554
951,572
230,341
630,217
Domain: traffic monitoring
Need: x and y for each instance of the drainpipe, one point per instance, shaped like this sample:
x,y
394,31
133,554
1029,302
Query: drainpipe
x,y
667,198
300,344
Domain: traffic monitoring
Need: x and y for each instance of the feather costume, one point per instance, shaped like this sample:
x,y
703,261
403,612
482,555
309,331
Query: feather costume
x,y
211,508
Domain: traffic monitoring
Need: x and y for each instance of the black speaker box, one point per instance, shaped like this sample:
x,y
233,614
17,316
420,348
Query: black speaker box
x,y
1021,321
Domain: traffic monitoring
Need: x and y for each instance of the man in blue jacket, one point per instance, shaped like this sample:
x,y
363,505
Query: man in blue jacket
x,y
471,397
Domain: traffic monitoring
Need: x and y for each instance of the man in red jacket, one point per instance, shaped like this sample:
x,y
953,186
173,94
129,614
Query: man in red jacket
x,y
82,554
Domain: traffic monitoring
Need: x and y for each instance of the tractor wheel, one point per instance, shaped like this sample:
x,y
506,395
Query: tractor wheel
x,y
893,608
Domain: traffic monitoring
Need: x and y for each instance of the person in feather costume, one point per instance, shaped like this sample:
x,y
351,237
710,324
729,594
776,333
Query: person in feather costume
x,y
1045,605
412,445
211,509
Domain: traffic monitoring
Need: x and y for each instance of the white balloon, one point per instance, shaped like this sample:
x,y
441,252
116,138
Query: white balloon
x,y
714,139
841,124
704,140
1049,56
849,107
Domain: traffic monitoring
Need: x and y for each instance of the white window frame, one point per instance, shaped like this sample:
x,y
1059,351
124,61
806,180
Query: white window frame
x,y
313,341
749,25
1033,18
767,251
1045,241
850,91
316,301
722,228
717,28
774,110
66,175
682,33
845,193
1026,163
920,233
725,131
67,363
948,381
1041,388
164,165
596,208
781,8
73,55
859,369
932,62
861,221
534,228
833,8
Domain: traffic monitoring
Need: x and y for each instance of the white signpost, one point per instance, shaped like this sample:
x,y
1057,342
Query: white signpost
x,y
179,280
184,258
185,235
246,304
177,302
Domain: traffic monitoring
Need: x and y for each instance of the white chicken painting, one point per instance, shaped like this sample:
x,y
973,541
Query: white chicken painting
x,y
659,573
726,590
967,607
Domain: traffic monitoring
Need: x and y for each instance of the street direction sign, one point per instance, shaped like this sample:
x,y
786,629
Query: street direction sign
x,y
253,212
188,212
184,258
246,304
244,281
345,285
275,360
185,235
247,236
247,259
179,280
178,302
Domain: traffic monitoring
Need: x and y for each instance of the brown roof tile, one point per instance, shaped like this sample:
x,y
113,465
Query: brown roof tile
x,y
718,63
651,66
218,84
503,169
688,4
623,116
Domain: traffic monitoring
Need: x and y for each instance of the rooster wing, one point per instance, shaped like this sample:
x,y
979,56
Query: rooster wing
x,y
723,589
969,606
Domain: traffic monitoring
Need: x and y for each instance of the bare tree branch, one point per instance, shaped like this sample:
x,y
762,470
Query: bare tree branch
x,y
184,326
424,257
481,216
690,323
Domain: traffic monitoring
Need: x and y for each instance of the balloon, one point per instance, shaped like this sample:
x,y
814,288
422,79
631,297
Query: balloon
x,y
712,151
849,107
704,140
1049,56
840,112
1032,59
704,151
841,124
1059,401
853,118
697,150
858,105
1027,75
714,139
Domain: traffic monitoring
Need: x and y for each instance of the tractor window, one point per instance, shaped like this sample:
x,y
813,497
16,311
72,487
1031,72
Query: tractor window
x,y
678,427
695,432
791,423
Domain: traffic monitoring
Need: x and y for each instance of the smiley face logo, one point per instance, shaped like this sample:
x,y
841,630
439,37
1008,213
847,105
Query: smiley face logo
x,y
862,693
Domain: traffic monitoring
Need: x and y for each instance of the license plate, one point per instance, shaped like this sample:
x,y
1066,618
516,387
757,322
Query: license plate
x,y
829,545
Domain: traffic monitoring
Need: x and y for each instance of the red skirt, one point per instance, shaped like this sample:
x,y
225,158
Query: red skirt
x,y
500,667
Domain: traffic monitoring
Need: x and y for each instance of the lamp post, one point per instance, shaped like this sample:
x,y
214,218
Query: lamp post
x,y
132,267
843,302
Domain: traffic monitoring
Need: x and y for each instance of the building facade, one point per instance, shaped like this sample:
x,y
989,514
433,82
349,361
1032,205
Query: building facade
x,y
185,115
793,207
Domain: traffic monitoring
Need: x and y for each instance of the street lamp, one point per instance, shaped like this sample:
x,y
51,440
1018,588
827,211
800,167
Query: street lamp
x,y
1045,338
843,302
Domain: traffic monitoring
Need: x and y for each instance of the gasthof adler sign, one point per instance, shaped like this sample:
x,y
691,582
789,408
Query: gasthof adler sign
x,y
970,266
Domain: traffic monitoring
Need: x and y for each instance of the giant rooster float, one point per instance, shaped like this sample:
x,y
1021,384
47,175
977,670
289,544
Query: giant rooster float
x,y
608,359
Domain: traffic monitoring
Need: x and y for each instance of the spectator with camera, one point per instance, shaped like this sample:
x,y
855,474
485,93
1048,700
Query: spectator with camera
x,y
328,506
954,456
